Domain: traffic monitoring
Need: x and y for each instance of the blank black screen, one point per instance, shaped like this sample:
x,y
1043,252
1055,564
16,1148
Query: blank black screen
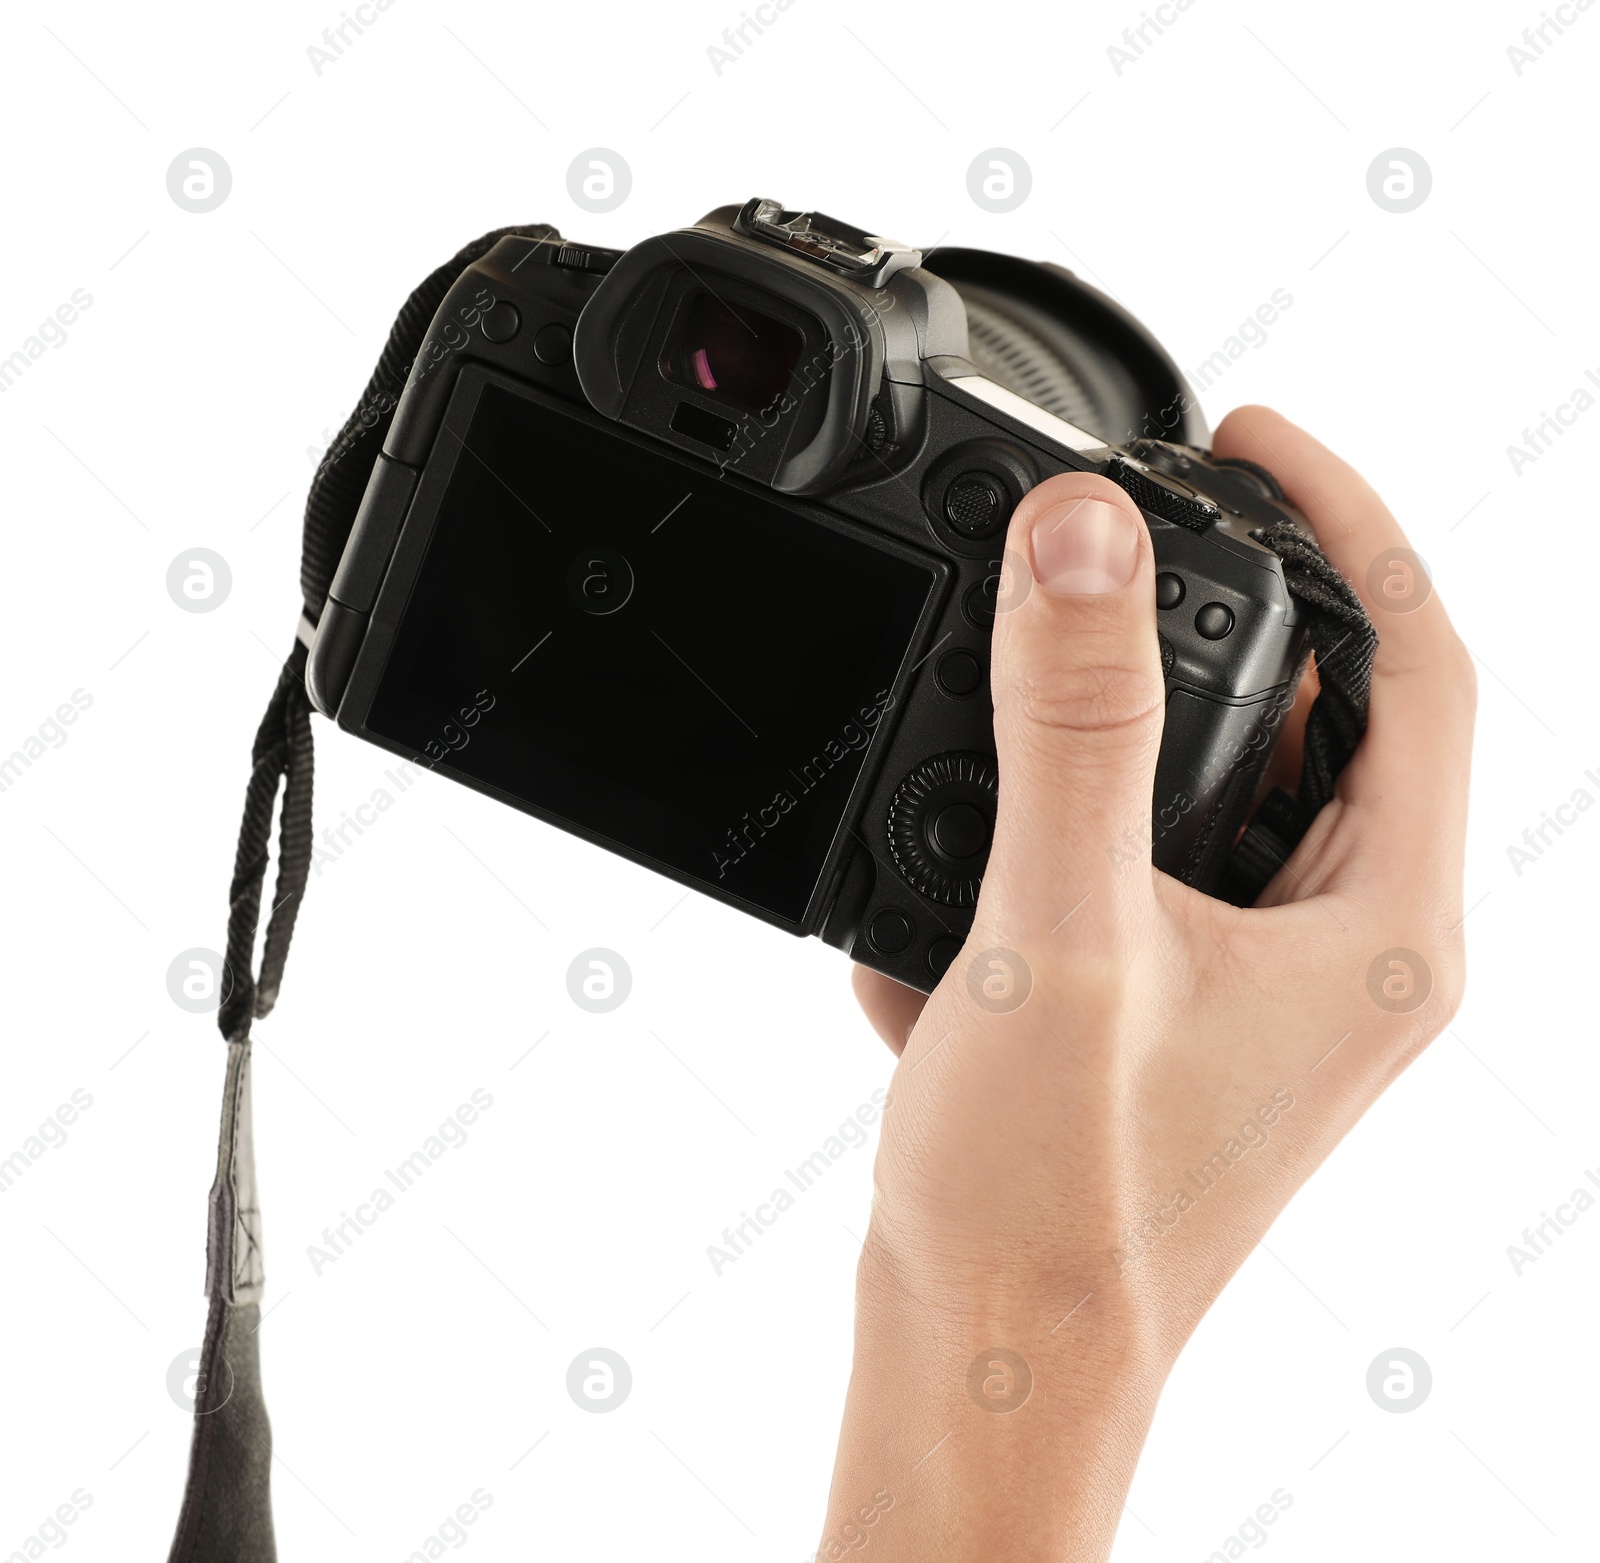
x,y
633,646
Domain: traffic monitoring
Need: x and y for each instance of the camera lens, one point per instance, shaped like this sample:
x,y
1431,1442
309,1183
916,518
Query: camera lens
x,y
735,353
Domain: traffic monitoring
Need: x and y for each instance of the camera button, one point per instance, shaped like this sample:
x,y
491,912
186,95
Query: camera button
x,y
553,345
1169,589
942,952
940,822
958,673
979,603
889,931
959,831
1214,620
501,323
976,504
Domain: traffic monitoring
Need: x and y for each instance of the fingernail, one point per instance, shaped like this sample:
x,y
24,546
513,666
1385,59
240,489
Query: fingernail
x,y
1085,547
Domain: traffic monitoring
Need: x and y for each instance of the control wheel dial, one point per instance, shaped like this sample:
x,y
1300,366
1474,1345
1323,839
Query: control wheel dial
x,y
941,823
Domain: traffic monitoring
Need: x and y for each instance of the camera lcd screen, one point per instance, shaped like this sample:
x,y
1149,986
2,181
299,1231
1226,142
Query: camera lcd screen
x,y
633,646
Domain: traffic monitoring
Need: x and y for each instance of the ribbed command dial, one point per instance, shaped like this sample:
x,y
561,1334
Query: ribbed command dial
x,y
941,823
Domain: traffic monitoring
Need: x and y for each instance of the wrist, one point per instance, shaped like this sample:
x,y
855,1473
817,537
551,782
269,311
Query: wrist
x,y
986,1418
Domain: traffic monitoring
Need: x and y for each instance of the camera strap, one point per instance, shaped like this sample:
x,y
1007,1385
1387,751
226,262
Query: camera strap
x,y
226,1515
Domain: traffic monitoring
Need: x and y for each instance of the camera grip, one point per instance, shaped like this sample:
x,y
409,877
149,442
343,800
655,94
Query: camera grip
x,y
1213,755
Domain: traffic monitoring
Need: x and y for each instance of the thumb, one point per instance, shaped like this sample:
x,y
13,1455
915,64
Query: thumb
x,y
1078,696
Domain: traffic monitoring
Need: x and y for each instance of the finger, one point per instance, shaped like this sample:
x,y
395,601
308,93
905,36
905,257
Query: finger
x,y
1408,781
1078,697
891,1008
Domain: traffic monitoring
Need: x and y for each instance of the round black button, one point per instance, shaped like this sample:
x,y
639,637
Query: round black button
x,y
889,931
976,504
959,831
941,952
1214,620
959,673
1169,589
553,345
979,603
501,323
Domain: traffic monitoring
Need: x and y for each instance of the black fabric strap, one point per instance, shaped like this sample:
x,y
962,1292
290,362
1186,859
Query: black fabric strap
x,y
227,1504
226,1516
1341,637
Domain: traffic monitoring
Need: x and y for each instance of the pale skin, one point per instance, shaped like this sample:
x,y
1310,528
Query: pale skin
x,y
1026,1180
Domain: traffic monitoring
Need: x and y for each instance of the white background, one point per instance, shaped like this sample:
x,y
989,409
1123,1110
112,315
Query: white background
x,y
186,408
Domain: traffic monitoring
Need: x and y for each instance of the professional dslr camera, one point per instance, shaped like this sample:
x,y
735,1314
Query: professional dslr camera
x,y
695,550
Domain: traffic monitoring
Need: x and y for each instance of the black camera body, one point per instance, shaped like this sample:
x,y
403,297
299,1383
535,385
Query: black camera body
x,y
695,550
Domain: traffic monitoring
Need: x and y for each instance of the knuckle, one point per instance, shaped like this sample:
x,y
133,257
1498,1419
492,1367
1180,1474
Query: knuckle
x,y
1086,700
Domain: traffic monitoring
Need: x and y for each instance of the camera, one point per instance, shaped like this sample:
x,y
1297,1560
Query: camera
x,y
695,550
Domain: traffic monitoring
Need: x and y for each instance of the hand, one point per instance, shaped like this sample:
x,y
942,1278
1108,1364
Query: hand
x,y
1064,1186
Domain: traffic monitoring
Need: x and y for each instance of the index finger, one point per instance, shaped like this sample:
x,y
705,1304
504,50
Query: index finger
x,y
1408,780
